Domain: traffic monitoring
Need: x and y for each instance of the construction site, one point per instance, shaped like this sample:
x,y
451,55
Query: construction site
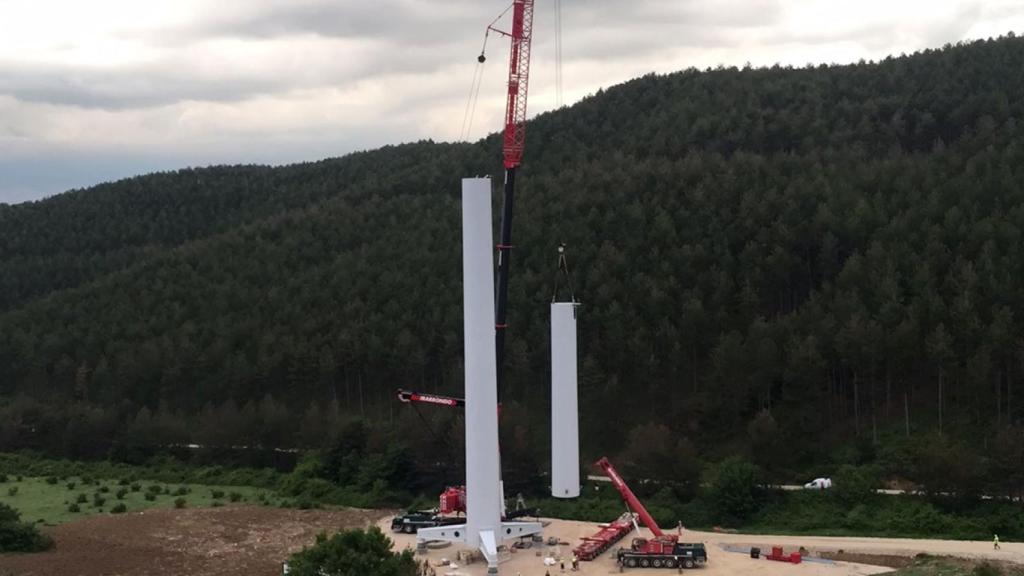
x,y
777,333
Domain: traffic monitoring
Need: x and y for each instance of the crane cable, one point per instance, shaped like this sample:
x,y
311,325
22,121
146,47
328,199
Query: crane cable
x,y
474,94
478,78
558,54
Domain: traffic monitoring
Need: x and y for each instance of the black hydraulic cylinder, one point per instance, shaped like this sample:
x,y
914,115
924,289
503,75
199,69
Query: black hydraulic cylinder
x,y
504,262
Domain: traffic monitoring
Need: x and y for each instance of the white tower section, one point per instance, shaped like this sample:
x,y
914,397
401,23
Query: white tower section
x,y
565,427
483,501
483,528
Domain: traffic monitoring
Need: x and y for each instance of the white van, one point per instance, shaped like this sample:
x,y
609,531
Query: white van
x,y
818,484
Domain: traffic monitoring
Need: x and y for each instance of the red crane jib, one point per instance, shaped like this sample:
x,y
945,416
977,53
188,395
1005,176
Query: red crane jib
x,y
630,498
518,82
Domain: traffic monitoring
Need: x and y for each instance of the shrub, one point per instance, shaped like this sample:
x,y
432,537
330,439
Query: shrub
x,y
17,536
71,485
104,489
121,493
235,497
19,478
352,552
217,494
217,503
98,502
180,503
3,478
122,482
181,491
74,508
12,491
136,487
52,480
82,499
736,490
150,496
854,485
119,509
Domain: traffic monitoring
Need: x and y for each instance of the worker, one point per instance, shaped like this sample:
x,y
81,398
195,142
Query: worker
x,y
575,563
563,566
995,541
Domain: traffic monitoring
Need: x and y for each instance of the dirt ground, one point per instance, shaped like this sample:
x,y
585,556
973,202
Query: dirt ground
x,y
727,554
253,541
228,541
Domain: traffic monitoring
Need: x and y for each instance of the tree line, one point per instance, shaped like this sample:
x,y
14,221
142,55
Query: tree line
x,y
781,262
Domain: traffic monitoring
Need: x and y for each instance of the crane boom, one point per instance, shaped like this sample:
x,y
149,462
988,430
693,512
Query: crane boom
x,y
514,140
630,498
408,396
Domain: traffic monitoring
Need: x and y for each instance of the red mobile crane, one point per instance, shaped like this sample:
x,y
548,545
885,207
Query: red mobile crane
x,y
660,551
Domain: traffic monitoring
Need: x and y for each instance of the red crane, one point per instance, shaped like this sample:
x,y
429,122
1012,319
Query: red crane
x,y
660,551
513,143
631,499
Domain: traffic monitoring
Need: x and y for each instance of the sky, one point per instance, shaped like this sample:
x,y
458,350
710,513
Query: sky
x,y
99,90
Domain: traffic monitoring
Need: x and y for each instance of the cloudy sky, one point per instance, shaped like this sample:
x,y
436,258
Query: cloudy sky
x,y
94,90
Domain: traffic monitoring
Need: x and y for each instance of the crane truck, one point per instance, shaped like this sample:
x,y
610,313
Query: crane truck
x,y
661,550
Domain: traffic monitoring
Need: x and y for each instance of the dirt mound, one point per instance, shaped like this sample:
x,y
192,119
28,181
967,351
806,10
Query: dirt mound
x,y
229,541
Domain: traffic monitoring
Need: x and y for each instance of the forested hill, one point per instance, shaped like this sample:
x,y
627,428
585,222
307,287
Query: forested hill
x,y
766,257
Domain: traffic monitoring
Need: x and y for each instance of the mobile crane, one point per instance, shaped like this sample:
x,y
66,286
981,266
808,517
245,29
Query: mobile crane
x,y
661,550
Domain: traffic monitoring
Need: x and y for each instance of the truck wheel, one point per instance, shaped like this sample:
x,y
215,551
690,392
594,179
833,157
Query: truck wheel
x,y
408,529
670,563
645,563
688,563
656,562
631,562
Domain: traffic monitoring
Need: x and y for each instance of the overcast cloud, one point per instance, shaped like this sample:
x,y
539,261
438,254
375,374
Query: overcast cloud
x,y
104,89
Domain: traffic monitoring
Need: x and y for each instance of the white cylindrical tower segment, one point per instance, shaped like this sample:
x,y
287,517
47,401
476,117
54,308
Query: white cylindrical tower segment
x,y
483,501
565,428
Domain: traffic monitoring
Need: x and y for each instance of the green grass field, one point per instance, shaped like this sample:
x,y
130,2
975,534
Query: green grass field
x,y
50,501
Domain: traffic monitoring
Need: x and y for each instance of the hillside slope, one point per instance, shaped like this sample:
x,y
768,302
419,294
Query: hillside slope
x,y
784,252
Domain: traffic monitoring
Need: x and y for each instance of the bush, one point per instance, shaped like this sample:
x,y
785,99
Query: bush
x,y
17,536
235,497
12,491
71,485
352,552
150,497
52,480
3,478
121,493
123,482
181,491
180,503
119,509
136,487
74,508
98,501
736,490
217,494
104,489
154,489
854,485
82,499
217,503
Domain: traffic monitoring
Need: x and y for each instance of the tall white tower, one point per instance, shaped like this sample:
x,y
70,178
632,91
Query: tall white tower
x,y
484,528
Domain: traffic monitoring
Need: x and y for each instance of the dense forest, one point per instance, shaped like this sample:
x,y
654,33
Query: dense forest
x,y
804,265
